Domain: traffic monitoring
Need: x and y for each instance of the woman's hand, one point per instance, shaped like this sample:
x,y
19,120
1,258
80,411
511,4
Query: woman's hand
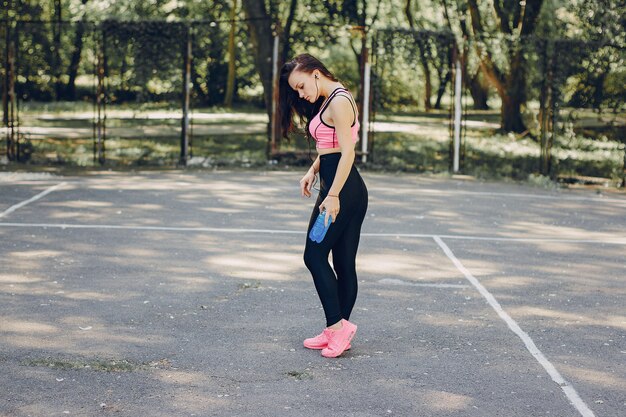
x,y
306,183
331,205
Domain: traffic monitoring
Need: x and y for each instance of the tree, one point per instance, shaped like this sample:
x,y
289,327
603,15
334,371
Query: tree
x,y
230,84
7,14
56,51
70,91
355,13
600,72
263,24
261,35
472,79
408,10
515,21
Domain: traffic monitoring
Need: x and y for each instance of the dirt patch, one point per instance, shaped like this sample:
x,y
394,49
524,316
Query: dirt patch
x,y
99,365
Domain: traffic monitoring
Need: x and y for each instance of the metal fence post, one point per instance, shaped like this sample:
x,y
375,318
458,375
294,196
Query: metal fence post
x,y
458,78
9,104
5,89
184,139
366,111
98,150
274,139
545,110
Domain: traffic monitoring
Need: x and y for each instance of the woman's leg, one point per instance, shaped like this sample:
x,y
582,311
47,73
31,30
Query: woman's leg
x,y
316,260
344,263
342,238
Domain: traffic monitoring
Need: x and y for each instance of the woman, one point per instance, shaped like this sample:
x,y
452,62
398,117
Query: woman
x,y
309,90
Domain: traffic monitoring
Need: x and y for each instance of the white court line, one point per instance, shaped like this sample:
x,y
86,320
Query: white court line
x,y
567,388
30,200
609,241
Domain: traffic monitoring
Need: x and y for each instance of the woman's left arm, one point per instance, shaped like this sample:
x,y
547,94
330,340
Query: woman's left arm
x,y
343,117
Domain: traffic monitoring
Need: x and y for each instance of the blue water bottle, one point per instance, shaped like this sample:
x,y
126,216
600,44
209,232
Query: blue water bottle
x,y
318,231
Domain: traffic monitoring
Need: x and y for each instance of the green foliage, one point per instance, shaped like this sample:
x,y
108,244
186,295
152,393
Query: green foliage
x,y
152,49
397,72
139,49
595,82
614,88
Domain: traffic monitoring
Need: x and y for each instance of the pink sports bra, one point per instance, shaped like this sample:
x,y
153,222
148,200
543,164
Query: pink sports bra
x,y
324,134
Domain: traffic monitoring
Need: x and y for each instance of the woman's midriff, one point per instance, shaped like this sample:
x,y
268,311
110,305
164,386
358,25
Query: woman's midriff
x,y
326,151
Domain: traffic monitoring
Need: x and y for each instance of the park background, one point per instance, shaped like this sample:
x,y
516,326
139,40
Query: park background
x,y
118,84
151,225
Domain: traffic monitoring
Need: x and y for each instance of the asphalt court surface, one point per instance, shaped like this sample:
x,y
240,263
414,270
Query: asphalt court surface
x,y
184,293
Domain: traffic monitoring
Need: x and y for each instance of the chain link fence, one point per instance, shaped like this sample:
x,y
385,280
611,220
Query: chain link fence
x,y
140,92
568,114
152,92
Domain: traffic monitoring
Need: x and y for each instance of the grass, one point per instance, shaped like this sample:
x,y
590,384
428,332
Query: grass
x,y
490,155
499,156
215,151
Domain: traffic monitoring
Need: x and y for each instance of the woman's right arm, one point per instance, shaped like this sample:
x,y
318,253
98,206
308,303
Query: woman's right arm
x,y
309,178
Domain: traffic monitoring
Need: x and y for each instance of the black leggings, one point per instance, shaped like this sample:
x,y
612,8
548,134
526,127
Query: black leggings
x,y
337,292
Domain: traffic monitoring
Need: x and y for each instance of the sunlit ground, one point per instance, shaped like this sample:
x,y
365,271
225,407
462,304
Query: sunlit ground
x,y
167,293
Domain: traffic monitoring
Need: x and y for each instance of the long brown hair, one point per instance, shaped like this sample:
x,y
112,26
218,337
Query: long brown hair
x,y
289,103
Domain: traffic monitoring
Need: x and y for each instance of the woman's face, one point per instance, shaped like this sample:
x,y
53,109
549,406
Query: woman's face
x,y
304,84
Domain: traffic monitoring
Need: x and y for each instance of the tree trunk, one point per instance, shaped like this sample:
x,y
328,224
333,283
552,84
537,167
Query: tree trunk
x,y
262,38
363,58
428,87
511,114
230,83
478,91
260,26
442,88
56,33
514,94
6,58
286,34
428,83
74,63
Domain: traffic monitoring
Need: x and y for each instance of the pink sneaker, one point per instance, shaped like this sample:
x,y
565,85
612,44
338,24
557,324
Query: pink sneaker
x,y
339,340
320,341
